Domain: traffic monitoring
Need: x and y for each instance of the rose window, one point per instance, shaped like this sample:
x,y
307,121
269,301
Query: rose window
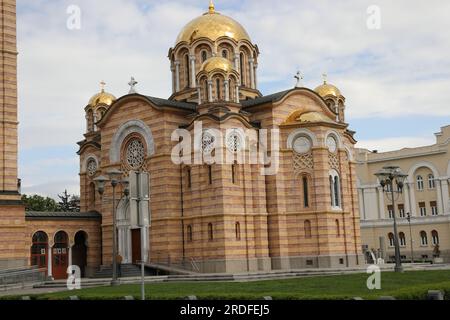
x,y
208,141
234,142
91,167
135,154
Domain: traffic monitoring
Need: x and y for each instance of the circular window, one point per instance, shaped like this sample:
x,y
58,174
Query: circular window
x,y
234,142
135,153
302,145
91,167
331,144
208,142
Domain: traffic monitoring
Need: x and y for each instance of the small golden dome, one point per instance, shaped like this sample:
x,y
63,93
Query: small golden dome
x,y
217,63
212,25
102,97
326,89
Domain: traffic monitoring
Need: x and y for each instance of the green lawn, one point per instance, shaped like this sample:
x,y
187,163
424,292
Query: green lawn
x,y
408,285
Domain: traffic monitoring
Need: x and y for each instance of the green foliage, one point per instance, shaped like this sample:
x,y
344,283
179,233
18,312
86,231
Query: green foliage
x,y
412,285
39,203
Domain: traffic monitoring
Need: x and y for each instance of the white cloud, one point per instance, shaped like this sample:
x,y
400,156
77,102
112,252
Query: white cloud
x,y
392,144
404,68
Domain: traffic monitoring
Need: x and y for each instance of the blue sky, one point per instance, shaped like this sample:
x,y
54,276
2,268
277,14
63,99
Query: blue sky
x,y
394,79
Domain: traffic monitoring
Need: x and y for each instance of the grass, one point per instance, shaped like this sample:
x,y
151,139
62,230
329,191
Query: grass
x,y
408,285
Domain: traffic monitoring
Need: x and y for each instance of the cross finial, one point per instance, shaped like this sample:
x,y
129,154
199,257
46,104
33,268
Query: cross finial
x,y
325,77
299,78
102,85
132,85
212,9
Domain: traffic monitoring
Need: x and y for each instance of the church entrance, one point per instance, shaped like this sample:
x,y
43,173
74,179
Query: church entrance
x,y
136,245
79,252
39,250
60,256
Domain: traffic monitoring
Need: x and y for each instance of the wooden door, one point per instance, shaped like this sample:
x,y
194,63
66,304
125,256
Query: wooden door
x,y
136,245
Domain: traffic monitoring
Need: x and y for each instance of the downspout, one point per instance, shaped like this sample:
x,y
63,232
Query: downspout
x,y
182,213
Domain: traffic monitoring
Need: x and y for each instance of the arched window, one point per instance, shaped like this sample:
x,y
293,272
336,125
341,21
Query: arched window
x,y
92,195
210,232
338,228
435,237
237,230
205,84
307,226
431,182
204,56
39,249
402,239
419,183
225,53
335,189
218,93
423,238
305,192
234,173
188,70
210,179
189,233
391,239
189,177
242,66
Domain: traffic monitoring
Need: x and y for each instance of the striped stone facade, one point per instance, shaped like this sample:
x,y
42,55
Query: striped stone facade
x,y
12,216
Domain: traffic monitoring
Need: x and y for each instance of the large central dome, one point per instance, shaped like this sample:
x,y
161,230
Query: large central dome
x,y
212,25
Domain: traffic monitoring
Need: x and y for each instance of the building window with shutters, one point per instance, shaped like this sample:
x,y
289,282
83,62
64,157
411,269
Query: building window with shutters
x,y
423,239
391,239
401,210
422,209
434,209
390,211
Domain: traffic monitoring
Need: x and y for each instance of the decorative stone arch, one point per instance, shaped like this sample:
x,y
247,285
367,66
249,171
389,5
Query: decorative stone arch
x,y
302,132
35,232
133,126
86,160
180,52
419,165
202,41
336,135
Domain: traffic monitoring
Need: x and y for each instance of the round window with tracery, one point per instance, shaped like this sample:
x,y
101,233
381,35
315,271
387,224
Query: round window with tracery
x,y
208,142
135,154
234,142
91,167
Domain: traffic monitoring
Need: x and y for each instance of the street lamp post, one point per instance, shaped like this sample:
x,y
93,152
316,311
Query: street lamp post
x,y
388,177
408,217
114,176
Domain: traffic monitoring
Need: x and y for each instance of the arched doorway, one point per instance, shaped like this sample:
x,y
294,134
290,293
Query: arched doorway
x,y
60,255
79,252
39,250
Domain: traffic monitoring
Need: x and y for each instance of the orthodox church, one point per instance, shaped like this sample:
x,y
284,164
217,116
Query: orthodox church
x,y
211,217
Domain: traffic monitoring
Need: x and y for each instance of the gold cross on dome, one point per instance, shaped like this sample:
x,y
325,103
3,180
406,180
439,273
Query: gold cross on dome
x,y
212,9
102,85
325,77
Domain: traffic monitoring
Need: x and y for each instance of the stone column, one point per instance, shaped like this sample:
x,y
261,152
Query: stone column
x,y
440,196
227,90
192,59
412,198
177,76
199,92
172,68
381,204
362,206
407,200
252,73
49,262
237,94
445,198
255,75
237,65
70,255
210,95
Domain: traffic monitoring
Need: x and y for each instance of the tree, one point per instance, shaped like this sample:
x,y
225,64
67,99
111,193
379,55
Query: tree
x,y
39,203
69,203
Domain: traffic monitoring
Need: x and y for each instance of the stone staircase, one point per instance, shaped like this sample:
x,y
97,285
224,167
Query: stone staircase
x,y
127,271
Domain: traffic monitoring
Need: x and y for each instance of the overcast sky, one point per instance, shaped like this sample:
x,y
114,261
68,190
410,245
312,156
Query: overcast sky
x,y
396,79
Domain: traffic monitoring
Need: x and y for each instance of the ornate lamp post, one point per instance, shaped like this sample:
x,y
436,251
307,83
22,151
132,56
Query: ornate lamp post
x,y
114,176
388,177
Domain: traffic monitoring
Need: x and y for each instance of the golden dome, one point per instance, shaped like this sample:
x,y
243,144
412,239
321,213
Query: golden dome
x,y
102,98
212,25
307,116
217,63
326,89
